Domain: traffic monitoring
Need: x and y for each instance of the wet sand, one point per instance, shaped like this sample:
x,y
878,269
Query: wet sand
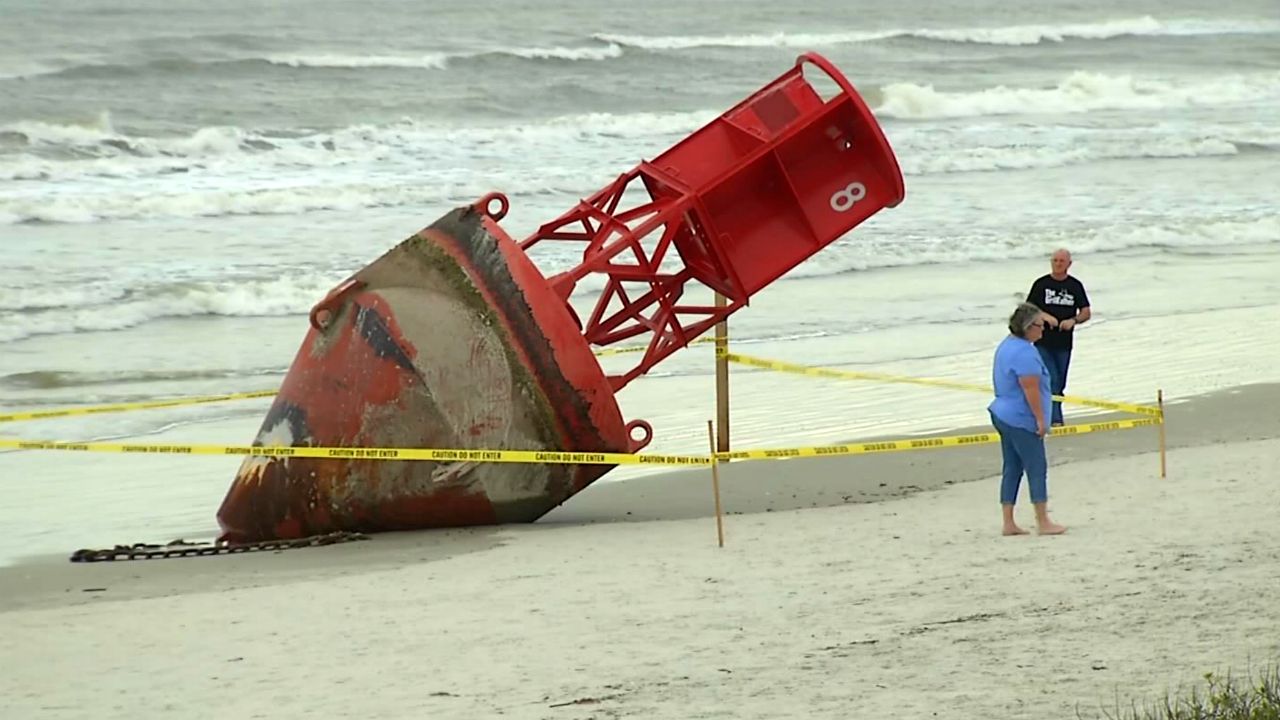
x,y
1245,413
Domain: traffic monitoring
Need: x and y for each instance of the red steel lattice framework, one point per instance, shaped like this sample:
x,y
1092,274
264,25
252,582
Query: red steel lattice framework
x,y
742,200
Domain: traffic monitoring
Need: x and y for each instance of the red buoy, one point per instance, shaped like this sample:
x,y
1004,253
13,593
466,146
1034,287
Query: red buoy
x,y
455,339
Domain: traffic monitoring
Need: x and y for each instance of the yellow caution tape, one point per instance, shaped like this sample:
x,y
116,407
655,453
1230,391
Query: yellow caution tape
x,y
123,407
794,368
777,365
620,350
554,457
641,348
919,443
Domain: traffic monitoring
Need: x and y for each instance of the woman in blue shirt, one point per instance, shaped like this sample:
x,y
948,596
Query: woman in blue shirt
x,y
1020,413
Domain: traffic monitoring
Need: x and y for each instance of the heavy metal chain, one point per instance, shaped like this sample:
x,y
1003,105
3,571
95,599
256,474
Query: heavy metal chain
x,y
182,548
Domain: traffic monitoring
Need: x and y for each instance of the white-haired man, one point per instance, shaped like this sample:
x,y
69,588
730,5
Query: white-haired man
x,y
1064,304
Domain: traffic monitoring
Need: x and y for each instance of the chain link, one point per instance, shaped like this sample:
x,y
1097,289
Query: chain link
x,y
182,548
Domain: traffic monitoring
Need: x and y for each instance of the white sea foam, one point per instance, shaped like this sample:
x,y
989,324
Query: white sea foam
x,y
588,53
83,173
14,69
751,40
426,61
286,295
992,35
1077,93
1137,26
444,60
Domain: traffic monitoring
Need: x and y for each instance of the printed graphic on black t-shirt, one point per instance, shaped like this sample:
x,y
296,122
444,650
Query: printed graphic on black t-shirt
x,y
1061,299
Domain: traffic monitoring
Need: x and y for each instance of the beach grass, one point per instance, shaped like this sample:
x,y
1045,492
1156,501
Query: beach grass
x,y
1255,696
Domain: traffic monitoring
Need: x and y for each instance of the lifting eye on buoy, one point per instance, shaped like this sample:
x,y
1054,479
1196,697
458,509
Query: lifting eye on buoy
x,y
646,434
485,205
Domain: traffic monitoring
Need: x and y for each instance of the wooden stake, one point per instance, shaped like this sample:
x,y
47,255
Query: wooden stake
x,y
1160,404
722,378
715,480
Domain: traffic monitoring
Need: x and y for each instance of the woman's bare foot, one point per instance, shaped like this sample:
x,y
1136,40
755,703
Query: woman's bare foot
x,y
1014,530
1044,525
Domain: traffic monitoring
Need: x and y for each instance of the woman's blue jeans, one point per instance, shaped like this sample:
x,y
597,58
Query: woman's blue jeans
x,y
1023,451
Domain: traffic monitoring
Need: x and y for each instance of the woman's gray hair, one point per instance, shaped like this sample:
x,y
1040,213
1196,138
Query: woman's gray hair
x,y
1022,318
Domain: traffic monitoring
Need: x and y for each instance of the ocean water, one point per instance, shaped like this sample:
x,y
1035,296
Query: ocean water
x,y
180,182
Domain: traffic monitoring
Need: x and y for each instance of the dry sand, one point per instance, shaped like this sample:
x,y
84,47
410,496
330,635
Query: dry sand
x,y
909,607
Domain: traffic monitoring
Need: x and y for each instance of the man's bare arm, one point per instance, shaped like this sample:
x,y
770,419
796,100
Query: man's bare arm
x,y
1082,316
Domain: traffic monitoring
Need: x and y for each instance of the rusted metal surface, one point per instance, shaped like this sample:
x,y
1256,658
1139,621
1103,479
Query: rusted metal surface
x,y
453,339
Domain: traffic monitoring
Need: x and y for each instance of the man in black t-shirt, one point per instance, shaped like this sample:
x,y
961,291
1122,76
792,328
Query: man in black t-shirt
x,y
1064,304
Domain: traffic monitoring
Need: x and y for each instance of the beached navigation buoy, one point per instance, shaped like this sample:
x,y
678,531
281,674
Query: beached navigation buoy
x,y
455,339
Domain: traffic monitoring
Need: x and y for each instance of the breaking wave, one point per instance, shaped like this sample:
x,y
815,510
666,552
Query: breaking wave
x,y
70,309
86,173
602,46
1077,93
105,68
999,35
442,61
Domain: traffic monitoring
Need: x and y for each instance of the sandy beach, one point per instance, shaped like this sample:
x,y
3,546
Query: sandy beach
x,y
180,187
911,606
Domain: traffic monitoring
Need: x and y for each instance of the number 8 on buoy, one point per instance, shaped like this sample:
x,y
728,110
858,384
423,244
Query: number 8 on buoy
x,y
845,198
